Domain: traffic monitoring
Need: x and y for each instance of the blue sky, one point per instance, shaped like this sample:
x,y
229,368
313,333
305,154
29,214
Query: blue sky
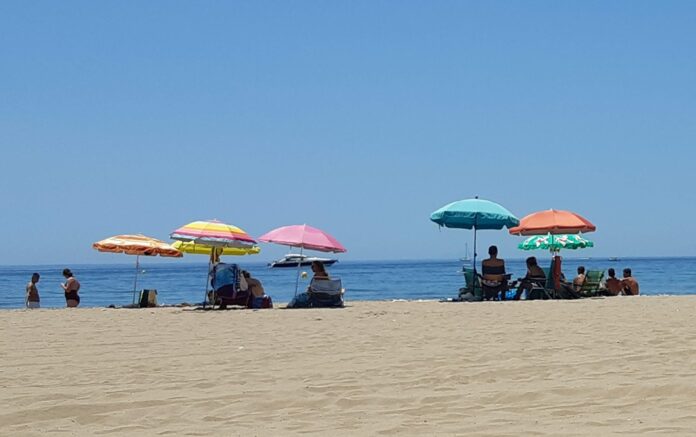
x,y
360,118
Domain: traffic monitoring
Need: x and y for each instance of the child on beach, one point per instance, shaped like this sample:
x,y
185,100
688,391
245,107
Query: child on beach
x,y
32,299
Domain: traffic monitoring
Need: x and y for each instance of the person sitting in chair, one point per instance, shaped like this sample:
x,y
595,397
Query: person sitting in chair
x,y
493,277
579,280
319,270
535,277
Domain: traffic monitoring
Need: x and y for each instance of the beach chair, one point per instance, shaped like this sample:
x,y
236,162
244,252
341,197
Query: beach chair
x,y
471,284
325,293
593,280
543,289
227,287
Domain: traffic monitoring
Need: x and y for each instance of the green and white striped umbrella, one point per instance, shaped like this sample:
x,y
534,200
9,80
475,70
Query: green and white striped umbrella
x,y
555,243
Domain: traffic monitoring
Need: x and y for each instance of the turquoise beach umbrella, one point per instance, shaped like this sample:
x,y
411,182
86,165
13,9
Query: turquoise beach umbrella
x,y
474,214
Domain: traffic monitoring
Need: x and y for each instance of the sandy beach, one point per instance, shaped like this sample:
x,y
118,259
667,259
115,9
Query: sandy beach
x,y
592,367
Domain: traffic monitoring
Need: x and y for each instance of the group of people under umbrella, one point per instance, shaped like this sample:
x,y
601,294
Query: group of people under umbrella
x,y
214,239
550,230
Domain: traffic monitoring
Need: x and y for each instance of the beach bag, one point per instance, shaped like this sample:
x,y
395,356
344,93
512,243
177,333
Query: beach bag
x,y
148,298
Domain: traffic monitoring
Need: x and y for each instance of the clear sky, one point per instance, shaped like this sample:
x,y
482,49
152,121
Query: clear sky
x,y
360,118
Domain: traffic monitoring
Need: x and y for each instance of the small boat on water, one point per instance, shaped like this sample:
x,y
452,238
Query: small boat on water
x,y
293,259
614,258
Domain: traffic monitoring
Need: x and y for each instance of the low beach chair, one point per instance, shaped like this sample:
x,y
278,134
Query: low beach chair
x,y
593,280
543,289
471,284
325,293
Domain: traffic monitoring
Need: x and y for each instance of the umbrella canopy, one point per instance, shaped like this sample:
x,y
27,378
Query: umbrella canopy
x,y
213,233
136,245
303,236
474,213
202,249
553,222
555,243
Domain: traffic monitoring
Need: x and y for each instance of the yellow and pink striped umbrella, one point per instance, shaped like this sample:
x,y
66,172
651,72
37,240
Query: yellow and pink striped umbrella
x,y
213,233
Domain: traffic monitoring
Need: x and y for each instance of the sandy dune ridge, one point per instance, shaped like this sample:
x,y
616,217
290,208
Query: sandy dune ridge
x,y
622,366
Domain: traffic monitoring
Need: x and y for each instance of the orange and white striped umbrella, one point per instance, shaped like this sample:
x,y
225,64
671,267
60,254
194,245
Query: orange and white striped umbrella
x,y
137,245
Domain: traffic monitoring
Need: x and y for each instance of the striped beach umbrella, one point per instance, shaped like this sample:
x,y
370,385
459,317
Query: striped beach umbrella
x,y
138,245
213,233
216,237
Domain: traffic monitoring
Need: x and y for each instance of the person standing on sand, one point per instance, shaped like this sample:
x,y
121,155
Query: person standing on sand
x,y
71,287
32,299
630,285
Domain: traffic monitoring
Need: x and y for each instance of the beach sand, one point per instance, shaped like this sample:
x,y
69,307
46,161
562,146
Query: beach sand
x,y
624,365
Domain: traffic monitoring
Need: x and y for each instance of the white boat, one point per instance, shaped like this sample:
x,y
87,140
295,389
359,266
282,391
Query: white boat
x,y
293,259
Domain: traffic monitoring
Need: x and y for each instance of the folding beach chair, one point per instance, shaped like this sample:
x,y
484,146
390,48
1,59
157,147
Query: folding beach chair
x,y
325,293
593,280
472,284
543,289
228,288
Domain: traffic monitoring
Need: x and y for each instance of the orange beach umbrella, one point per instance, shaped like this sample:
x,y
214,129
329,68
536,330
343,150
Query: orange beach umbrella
x,y
138,245
553,221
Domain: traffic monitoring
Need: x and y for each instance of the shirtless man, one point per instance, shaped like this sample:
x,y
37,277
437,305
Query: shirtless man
x,y
579,279
630,285
32,297
613,285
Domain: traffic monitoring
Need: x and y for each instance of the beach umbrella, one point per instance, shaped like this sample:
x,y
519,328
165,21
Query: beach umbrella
x,y
553,221
212,237
476,214
215,252
555,243
304,237
138,245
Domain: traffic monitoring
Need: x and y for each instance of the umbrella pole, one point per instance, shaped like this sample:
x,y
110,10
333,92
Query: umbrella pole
x,y
297,278
207,275
474,279
135,281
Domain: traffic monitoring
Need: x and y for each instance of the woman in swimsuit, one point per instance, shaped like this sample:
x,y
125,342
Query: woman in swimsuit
x,y
71,287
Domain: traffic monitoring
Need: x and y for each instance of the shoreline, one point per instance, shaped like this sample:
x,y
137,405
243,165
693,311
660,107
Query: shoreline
x,y
582,367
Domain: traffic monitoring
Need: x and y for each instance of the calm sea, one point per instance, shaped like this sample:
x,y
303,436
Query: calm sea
x,y
103,285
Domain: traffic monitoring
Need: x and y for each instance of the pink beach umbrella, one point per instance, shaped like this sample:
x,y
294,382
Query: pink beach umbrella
x,y
304,237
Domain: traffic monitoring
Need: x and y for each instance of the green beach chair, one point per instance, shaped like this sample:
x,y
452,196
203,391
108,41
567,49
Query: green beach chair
x,y
593,279
472,284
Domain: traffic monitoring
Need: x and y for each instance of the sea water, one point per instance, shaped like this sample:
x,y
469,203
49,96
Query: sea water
x,y
178,282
